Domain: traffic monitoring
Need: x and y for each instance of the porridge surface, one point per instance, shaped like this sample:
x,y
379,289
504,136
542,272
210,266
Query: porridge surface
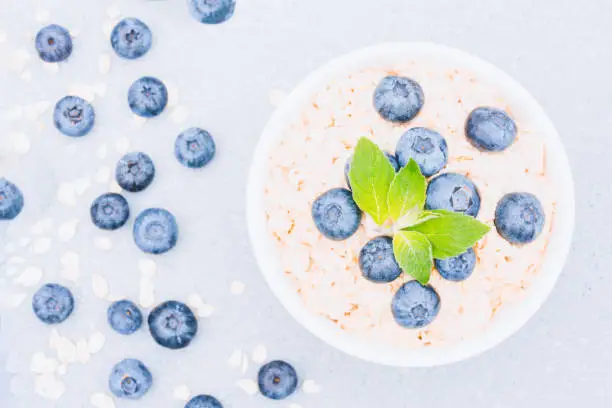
x,y
309,157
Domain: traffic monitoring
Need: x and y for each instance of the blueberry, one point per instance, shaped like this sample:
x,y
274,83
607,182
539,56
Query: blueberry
x,y
74,116
490,129
398,99
427,147
130,379
155,231
53,303
212,11
11,200
377,261
53,43
519,218
393,160
453,192
336,214
194,148
110,211
147,97
414,305
458,268
277,380
131,38
173,325
134,172
124,317
347,166
203,401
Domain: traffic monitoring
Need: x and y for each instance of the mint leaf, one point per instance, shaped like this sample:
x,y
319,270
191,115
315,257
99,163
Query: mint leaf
x,y
407,191
371,175
414,218
451,234
413,253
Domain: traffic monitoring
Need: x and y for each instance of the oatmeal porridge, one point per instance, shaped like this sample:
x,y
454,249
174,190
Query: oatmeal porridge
x,y
308,159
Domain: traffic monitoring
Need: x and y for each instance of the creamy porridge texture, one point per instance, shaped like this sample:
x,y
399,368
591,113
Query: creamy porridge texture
x,y
309,157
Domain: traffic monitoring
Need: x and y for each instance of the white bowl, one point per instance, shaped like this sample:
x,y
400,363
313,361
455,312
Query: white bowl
x,y
508,321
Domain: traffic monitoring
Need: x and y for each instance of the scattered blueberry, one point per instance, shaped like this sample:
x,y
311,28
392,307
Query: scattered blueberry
x,y
53,303
453,192
155,231
134,172
519,218
110,211
414,305
336,214
147,97
347,166
173,325
130,379
427,147
11,200
53,43
212,11
277,380
203,401
131,38
457,268
194,148
490,129
124,317
398,99
377,261
74,116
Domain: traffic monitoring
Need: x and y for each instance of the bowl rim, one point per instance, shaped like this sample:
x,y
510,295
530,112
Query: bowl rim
x,y
502,327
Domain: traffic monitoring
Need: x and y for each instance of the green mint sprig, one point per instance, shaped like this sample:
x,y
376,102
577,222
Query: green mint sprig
x,y
419,235
371,177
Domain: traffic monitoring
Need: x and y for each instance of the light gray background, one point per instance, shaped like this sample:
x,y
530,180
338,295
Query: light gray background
x,y
558,49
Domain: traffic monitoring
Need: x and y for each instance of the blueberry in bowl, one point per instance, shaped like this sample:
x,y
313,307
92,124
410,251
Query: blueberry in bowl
x,y
336,215
398,99
457,268
519,218
414,305
427,147
453,192
490,129
377,261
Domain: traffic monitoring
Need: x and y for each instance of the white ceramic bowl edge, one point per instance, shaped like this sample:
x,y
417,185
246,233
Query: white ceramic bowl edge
x,y
508,322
